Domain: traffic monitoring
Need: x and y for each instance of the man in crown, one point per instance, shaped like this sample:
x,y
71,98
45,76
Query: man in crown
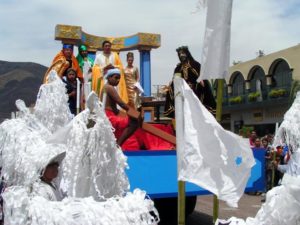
x,y
103,62
63,61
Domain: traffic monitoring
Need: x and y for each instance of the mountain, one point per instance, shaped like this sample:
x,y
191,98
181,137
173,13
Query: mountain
x,y
18,80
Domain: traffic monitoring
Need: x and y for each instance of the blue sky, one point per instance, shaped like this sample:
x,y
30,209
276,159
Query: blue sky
x,y
27,27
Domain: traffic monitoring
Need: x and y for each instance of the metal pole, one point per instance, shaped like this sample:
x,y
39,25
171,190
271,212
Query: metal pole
x,y
179,145
274,151
181,203
219,118
78,97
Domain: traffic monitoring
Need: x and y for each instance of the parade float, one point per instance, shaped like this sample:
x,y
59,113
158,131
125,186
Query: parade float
x,y
153,170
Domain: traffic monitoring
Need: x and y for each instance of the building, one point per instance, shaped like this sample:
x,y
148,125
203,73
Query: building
x,y
257,92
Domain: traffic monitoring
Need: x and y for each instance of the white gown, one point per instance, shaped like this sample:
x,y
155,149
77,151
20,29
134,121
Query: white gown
x,y
49,192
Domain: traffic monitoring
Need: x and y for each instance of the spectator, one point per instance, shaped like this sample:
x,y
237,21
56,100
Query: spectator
x,y
270,139
252,138
285,154
277,161
265,143
257,143
268,166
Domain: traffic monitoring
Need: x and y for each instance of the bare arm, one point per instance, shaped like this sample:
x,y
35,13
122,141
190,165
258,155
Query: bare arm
x,y
113,94
137,74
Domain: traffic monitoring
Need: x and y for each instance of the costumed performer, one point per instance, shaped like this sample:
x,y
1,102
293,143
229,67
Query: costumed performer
x,y
132,79
46,187
189,69
86,64
125,125
62,62
71,86
103,62
83,57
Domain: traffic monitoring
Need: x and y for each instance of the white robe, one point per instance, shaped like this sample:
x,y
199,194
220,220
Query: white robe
x,y
49,192
103,60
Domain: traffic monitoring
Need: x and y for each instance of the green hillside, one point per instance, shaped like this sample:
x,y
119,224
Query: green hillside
x,y
18,81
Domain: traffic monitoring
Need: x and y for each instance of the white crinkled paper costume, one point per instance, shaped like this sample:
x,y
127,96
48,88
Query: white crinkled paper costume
x,y
51,107
24,152
23,140
16,137
94,165
35,210
27,145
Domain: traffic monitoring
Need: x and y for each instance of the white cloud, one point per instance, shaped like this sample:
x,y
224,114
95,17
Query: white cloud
x,y
27,27
267,25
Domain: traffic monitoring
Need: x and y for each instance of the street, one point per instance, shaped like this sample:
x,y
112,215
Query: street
x,y
248,207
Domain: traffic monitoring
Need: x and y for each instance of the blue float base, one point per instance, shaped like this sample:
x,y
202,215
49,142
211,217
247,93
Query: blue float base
x,y
156,173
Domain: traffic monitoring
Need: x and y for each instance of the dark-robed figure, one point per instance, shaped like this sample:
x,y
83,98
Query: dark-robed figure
x,y
190,71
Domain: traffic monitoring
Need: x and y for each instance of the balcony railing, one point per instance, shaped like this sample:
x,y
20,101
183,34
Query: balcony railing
x,y
235,100
256,97
279,93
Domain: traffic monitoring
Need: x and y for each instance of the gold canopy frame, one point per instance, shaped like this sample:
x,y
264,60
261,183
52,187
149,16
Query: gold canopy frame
x,y
74,35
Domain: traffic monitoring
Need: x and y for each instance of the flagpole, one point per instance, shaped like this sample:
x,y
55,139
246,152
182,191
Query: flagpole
x,y
218,118
274,150
181,203
179,145
78,96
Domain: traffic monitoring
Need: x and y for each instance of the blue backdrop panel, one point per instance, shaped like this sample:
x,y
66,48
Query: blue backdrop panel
x,y
257,180
145,71
156,173
129,41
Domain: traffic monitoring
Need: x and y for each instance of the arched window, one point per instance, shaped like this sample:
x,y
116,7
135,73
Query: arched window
x,y
258,80
282,75
238,85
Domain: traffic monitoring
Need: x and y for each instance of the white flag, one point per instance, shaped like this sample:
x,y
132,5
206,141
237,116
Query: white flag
x,y
216,45
209,156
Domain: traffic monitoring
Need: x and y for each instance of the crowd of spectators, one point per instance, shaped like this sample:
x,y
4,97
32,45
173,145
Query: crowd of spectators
x,y
274,156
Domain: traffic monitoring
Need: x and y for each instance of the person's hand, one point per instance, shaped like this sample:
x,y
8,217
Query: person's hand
x,y
109,66
275,164
131,112
202,83
72,94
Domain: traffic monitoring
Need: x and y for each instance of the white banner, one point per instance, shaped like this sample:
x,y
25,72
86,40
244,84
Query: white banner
x,y
209,156
216,45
